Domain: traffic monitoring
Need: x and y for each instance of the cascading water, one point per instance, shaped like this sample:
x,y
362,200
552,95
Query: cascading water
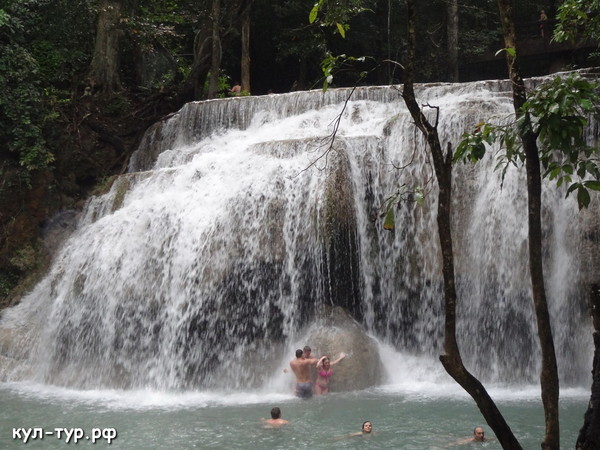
x,y
237,222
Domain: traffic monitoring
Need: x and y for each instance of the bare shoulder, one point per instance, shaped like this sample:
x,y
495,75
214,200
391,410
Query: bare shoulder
x,y
275,422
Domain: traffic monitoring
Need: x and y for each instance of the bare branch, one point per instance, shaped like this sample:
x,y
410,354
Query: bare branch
x,y
331,137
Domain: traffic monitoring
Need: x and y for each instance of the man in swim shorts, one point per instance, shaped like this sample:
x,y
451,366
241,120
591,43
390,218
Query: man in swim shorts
x,y
301,367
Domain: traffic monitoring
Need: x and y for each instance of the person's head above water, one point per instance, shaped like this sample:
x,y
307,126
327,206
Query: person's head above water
x,y
478,434
275,419
367,427
307,351
299,353
275,413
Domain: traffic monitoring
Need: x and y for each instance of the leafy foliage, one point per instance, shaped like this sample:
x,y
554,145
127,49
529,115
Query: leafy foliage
x,y
45,45
562,109
403,194
22,110
332,63
223,86
337,13
579,19
558,113
576,18
295,38
479,28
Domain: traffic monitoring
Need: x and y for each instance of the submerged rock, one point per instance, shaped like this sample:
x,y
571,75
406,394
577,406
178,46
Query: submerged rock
x,y
335,331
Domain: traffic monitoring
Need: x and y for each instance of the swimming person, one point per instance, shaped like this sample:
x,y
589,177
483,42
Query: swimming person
x,y
478,436
275,419
301,368
367,428
324,372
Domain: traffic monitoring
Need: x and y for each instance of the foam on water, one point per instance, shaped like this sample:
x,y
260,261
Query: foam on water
x,y
140,399
411,377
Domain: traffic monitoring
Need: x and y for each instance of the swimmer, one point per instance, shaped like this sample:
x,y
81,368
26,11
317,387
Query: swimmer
x,y
275,419
478,436
367,428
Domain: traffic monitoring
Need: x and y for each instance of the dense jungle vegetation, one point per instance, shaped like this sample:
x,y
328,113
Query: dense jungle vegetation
x,y
81,80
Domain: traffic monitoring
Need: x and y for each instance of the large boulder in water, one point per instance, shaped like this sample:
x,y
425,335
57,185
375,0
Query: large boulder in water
x,y
335,331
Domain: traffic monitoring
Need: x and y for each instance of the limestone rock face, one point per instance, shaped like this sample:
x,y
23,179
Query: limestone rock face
x,y
336,331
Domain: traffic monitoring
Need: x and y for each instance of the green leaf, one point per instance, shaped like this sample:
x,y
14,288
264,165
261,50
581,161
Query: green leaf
x,y
586,104
461,149
478,152
389,222
312,16
583,197
572,188
341,30
509,50
419,198
592,184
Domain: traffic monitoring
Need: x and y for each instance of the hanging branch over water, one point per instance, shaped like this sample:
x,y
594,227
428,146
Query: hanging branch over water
x,y
330,139
328,66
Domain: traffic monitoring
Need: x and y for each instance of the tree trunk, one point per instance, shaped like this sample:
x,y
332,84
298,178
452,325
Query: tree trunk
x,y
451,359
103,73
589,435
452,34
549,372
194,86
301,82
389,41
245,63
215,64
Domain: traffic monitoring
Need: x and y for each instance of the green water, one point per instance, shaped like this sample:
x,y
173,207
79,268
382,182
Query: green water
x,y
420,417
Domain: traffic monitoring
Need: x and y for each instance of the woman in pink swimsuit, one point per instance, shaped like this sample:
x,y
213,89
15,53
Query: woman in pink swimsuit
x,y
324,372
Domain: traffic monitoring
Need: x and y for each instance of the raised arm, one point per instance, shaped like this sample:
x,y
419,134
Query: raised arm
x,y
320,362
342,356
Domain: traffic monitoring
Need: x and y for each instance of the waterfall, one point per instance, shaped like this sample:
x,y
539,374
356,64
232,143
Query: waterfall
x,y
240,218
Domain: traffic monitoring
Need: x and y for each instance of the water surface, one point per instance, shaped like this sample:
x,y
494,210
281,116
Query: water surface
x,y
404,417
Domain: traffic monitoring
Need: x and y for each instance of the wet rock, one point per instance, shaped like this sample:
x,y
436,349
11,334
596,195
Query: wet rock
x,y
336,331
58,229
